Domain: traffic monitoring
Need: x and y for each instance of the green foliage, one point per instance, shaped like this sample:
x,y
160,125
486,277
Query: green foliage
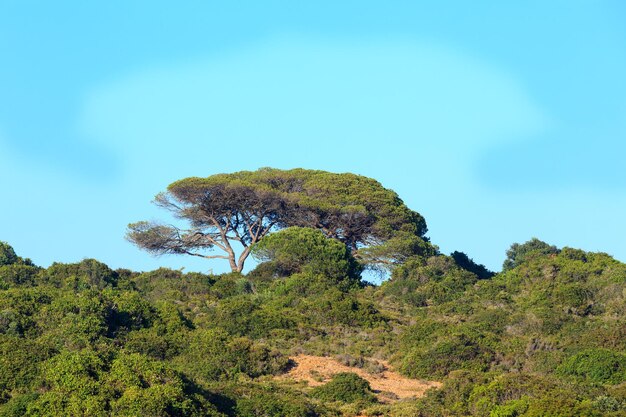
x,y
519,253
350,207
303,250
512,408
7,254
395,251
270,400
420,281
19,308
459,350
213,355
467,263
512,332
78,320
597,365
145,387
81,339
20,362
515,394
530,395
18,274
130,311
346,387
87,274
86,383
18,405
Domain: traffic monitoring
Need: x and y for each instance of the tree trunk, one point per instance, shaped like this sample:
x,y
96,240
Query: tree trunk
x,y
242,258
233,264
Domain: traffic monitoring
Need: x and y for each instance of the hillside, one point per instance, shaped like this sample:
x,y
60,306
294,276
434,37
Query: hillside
x,y
546,337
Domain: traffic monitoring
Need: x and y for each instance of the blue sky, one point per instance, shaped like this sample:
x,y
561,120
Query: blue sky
x,y
497,121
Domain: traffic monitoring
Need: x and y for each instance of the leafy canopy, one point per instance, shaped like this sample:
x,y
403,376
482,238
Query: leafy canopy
x,y
7,254
519,253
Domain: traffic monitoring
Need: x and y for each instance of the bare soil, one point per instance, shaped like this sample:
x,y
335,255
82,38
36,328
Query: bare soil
x,y
388,385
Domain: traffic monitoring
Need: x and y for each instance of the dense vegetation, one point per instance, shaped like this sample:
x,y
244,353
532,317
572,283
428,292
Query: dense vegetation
x,y
545,337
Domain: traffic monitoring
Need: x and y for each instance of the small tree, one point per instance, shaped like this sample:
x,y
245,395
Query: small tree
x,y
519,253
346,387
298,249
7,254
467,263
9,257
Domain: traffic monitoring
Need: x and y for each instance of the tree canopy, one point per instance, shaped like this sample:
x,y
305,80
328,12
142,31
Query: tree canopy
x,y
519,253
245,206
7,254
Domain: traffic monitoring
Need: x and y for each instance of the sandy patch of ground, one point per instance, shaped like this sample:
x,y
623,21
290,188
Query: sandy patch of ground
x,y
317,370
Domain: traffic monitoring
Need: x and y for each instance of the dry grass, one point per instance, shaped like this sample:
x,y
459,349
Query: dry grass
x,y
388,385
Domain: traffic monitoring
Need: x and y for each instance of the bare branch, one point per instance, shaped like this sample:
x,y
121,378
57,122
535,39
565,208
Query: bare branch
x,y
207,256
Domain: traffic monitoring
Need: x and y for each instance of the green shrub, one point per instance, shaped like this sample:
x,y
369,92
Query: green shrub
x,y
16,274
146,387
459,350
87,274
130,311
78,320
269,400
575,298
20,309
513,408
467,263
300,249
20,362
346,387
234,314
213,355
150,343
18,405
520,253
7,254
597,365
60,404
433,280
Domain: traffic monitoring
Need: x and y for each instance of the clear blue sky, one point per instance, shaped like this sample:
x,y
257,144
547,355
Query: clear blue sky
x,y
497,121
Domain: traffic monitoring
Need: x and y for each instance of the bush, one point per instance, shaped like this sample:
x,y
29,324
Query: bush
x,y
597,365
19,309
432,280
519,253
18,405
467,263
17,274
460,350
213,355
20,361
146,387
78,320
300,249
268,401
346,387
130,311
87,274
7,254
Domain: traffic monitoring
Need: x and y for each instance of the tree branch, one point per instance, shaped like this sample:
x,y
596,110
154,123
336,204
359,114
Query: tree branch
x,y
206,256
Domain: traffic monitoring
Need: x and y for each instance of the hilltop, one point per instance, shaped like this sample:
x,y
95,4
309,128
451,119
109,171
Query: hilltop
x,y
544,337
